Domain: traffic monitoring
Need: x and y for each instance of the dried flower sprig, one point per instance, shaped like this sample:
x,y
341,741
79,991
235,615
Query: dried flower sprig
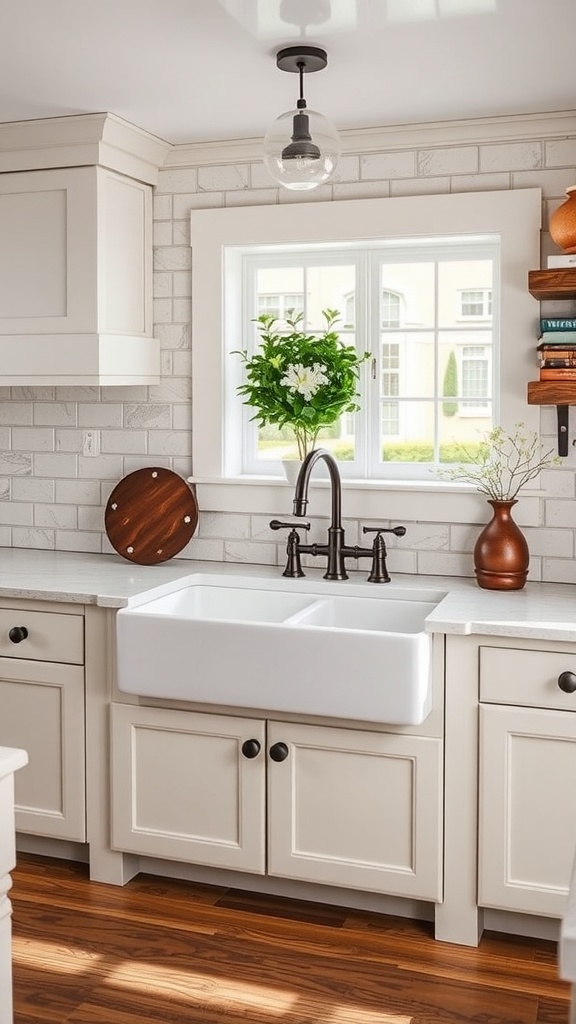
x,y
504,463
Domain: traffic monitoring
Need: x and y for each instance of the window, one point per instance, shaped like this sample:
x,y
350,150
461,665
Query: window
x,y
398,297
390,306
390,317
505,230
477,303
475,376
279,305
390,389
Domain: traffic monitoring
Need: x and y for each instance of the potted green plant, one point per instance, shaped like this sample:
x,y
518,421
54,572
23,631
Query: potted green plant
x,y
299,379
504,464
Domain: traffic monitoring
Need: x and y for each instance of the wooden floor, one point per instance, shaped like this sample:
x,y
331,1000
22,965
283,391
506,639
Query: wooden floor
x,y
170,952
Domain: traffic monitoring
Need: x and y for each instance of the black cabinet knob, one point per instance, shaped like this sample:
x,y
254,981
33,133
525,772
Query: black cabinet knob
x,y
278,751
567,682
250,748
17,634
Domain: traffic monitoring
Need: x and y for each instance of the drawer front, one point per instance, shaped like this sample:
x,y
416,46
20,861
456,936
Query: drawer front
x,y
527,678
42,636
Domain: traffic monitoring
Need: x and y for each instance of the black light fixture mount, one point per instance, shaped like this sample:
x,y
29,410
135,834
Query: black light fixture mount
x,y
300,154
301,60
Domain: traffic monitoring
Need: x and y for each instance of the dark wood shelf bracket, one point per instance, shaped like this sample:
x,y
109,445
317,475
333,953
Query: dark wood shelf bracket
x,y
562,394
562,414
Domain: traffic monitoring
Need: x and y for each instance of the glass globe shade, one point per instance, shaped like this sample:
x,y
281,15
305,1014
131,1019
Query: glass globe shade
x,y
301,172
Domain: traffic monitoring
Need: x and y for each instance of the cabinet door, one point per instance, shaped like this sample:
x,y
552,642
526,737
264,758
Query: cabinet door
x,y
527,808
182,788
42,710
48,253
357,809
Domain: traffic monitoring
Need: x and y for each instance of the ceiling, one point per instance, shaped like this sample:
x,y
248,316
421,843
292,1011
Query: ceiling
x,y
204,70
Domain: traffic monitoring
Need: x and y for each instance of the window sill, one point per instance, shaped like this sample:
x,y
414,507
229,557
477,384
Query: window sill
x,y
413,500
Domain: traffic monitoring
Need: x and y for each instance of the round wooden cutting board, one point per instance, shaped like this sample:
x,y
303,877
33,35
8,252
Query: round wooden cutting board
x,y
150,516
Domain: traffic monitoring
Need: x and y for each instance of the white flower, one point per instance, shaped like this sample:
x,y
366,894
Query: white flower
x,y
305,380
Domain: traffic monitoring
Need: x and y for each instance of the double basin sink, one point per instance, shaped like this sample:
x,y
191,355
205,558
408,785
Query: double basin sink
x,y
302,647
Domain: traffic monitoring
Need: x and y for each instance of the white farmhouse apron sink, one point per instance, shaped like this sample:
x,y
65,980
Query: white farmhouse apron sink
x,y
295,646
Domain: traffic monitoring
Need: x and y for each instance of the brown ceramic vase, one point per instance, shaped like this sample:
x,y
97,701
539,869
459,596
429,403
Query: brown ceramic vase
x,y
563,223
501,553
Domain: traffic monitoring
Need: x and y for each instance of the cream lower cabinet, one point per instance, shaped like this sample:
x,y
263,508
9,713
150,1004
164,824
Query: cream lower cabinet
x,y
527,818
336,806
182,788
42,711
355,808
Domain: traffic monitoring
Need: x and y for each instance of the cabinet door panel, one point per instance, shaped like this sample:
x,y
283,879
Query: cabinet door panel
x,y
182,788
42,710
527,808
357,809
47,269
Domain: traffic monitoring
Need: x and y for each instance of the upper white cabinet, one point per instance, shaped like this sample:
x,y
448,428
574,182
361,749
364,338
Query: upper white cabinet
x,y
76,261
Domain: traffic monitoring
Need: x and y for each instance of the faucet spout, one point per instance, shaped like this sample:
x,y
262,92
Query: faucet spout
x,y
335,549
301,491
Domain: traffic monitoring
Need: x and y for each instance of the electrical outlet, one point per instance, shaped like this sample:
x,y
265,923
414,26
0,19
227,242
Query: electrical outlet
x,y
91,443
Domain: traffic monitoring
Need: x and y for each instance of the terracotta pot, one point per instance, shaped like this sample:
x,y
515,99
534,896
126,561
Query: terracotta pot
x,y
563,223
501,553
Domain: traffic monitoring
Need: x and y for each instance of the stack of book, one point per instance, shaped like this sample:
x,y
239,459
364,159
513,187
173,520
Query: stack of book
x,y
557,348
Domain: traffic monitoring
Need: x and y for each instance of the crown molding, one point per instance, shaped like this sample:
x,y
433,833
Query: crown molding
x,y
472,131
108,140
100,138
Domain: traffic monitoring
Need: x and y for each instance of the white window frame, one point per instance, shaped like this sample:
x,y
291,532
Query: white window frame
x,y
515,216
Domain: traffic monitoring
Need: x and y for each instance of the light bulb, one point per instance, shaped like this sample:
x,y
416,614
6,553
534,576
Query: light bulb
x,y
301,171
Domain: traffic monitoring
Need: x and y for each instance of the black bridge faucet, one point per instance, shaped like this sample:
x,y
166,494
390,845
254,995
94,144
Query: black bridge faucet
x,y
336,548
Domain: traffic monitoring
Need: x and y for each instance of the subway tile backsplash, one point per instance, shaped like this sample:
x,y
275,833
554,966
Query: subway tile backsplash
x,y
52,496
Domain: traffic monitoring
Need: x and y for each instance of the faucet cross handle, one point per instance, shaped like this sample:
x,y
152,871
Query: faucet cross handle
x,y
276,524
293,565
399,531
379,573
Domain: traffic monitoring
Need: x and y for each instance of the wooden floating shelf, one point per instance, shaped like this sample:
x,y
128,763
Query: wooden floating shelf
x,y
552,392
552,284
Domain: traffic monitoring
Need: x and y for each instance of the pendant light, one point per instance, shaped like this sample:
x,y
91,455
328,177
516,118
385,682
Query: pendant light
x,y
301,148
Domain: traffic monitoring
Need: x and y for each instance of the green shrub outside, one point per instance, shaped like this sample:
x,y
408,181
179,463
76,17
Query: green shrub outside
x,y
413,451
396,451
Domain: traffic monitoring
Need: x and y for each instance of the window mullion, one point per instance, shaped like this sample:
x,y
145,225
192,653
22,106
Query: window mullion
x,y
373,420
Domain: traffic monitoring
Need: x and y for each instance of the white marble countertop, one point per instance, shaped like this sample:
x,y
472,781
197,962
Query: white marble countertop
x,y
540,610
106,580
546,611
11,758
